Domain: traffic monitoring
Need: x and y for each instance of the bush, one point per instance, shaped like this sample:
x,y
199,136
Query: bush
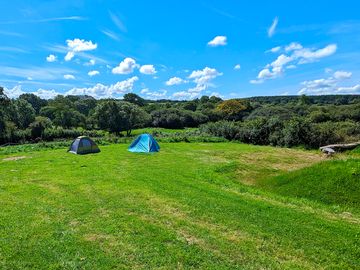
x,y
226,129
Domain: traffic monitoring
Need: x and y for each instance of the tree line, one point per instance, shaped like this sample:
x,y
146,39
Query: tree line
x,y
283,121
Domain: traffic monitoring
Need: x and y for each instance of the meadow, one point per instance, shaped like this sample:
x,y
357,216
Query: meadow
x,y
190,206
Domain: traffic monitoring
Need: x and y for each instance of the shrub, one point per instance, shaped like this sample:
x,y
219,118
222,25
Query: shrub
x,y
226,129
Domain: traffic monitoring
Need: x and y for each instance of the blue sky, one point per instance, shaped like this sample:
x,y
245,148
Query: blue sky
x,y
179,49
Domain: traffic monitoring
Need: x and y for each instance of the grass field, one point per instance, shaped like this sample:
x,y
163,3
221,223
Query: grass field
x,y
190,206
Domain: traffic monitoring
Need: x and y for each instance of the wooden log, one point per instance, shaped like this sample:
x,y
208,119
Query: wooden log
x,y
340,147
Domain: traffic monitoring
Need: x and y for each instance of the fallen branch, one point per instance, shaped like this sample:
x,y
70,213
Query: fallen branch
x,y
338,147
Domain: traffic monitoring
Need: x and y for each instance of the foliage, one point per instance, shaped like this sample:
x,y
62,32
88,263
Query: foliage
x,y
233,109
309,121
116,116
134,98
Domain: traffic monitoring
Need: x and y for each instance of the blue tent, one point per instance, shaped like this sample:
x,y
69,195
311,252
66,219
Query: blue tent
x,y
144,143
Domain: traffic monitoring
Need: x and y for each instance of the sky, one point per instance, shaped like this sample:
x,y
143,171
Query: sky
x,y
179,49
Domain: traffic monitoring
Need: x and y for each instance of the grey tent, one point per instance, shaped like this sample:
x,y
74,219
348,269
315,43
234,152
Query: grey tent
x,y
83,145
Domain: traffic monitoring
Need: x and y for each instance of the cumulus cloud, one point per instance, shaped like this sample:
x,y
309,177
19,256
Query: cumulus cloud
x,y
93,73
204,76
105,91
272,28
218,41
295,54
175,81
46,94
237,67
78,45
126,66
184,95
307,55
148,69
341,75
330,85
202,79
153,94
51,58
69,77
16,91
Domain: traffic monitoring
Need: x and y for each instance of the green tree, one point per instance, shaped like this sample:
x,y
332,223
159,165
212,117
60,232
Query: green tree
x,y
116,116
136,117
36,102
24,113
39,125
4,103
135,99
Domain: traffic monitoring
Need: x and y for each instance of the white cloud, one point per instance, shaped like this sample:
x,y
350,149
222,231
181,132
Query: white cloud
x,y
46,94
13,92
307,55
237,67
272,28
203,79
69,77
184,95
328,86
110,34
218,41
340,75
116,20
51,58
104,91
125,67
97,91
295,54
69,56
144,91
16,91
293,46
216,94
350,90
148,69
275,49
175,81
154,94
93,73
91,62
78,45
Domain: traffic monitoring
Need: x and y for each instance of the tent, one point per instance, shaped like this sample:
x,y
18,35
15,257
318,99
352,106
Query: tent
x,y
83,145
144,143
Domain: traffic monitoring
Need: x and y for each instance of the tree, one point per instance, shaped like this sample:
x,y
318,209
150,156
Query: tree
x,y
4,102
233,109
118,116
135,99
36,102
39,125
135,116
62,112
24,113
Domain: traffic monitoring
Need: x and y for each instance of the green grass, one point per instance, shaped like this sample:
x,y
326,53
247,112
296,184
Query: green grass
x,y
190,206
334,182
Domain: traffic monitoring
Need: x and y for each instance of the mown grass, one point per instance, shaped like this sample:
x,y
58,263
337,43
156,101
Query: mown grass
x,y
186,207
